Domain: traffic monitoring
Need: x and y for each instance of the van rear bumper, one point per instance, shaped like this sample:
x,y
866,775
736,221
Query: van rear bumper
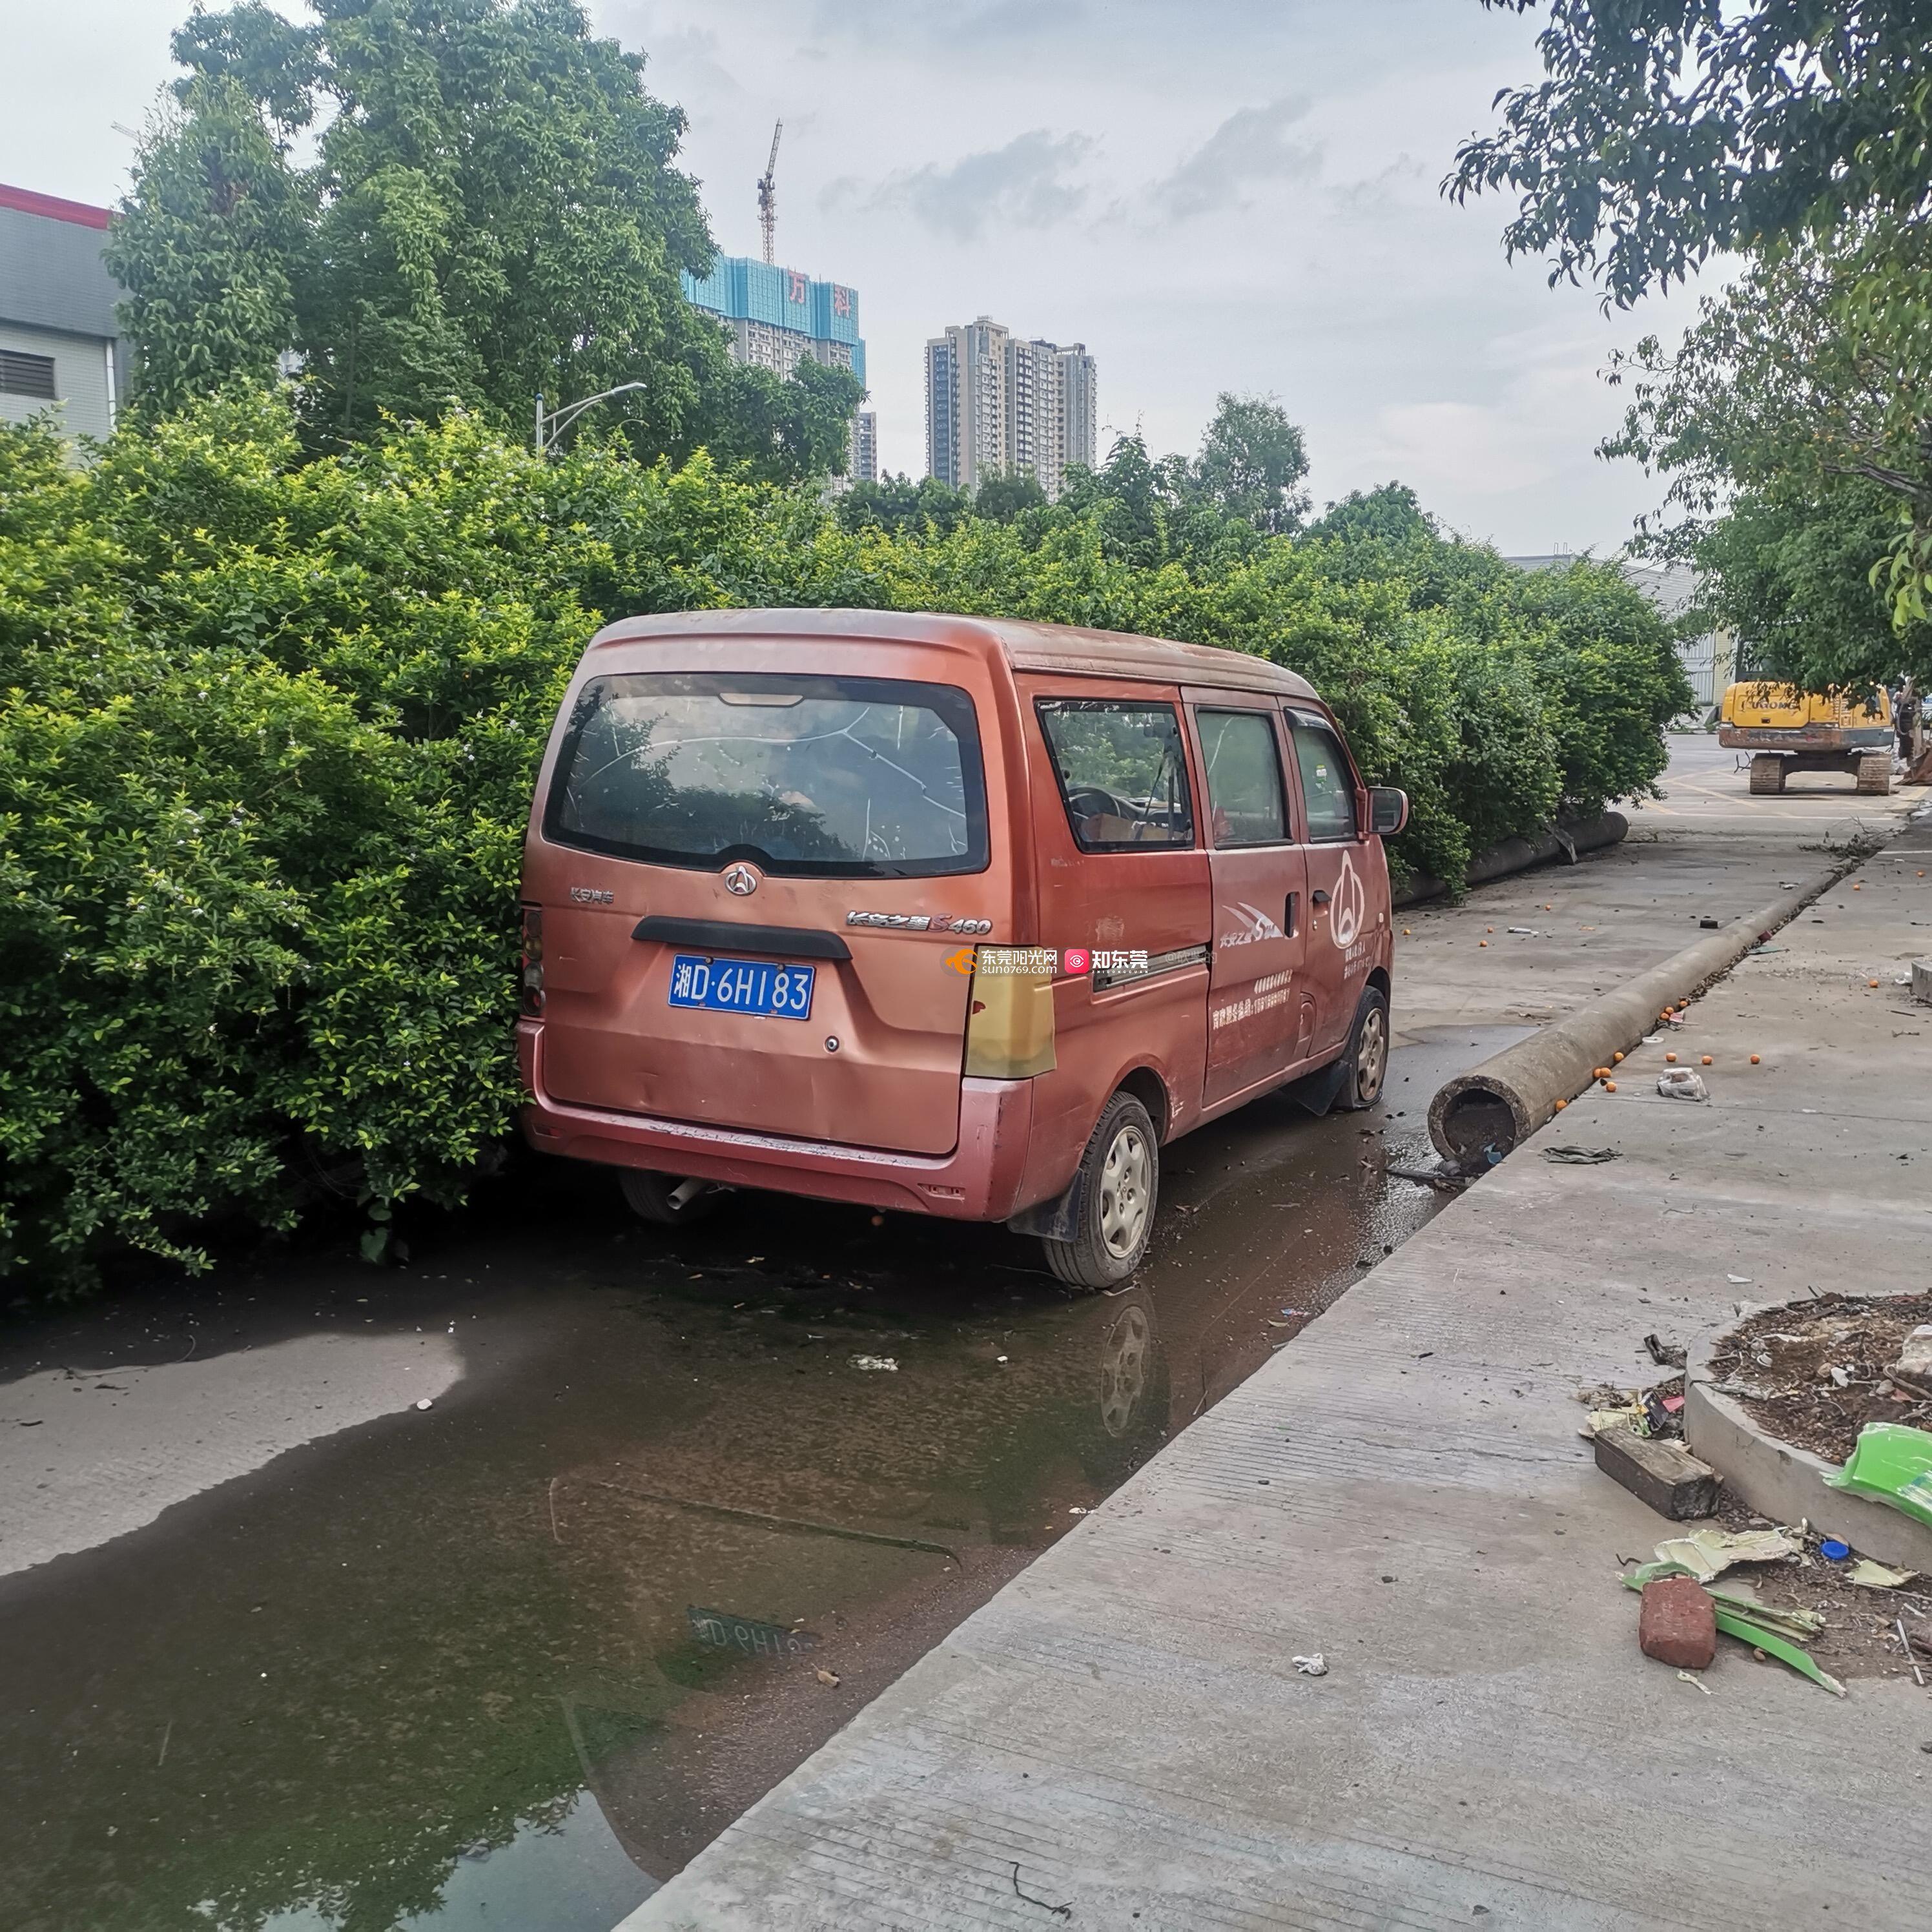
x,y
979,1180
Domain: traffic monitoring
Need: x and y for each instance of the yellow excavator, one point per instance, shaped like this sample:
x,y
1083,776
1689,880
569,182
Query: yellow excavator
x,y
1787,729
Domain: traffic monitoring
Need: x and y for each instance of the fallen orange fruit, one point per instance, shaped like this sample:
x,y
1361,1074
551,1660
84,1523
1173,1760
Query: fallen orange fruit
x,y
1609,1086
1671,1058
1707,1060
1618,1058
1753,1060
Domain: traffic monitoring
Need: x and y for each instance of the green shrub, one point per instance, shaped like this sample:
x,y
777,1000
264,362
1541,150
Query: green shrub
x,y
268,727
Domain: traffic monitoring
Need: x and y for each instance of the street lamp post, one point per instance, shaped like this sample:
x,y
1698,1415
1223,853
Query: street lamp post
x,y
551,423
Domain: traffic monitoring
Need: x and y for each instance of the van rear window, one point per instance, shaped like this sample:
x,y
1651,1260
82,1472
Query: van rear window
x,y
838,777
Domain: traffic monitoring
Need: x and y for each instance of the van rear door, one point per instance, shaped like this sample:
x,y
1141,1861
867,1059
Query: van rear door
x,y
776,870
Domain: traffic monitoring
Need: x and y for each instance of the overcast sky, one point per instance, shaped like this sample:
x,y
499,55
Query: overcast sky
x,y
1225,194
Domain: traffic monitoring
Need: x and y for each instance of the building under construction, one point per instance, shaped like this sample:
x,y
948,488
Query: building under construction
x,y
779,317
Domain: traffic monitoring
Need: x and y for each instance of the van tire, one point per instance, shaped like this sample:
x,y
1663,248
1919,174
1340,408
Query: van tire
x,y
1118,1188
654,1197
1365,1065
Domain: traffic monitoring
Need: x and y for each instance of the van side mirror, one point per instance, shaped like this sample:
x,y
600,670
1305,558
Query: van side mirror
x,y
1388,811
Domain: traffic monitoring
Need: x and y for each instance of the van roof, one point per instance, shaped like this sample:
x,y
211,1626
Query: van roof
x,y
1069,649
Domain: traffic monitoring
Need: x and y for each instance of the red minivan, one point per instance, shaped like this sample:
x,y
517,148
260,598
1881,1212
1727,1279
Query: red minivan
x,y
946,914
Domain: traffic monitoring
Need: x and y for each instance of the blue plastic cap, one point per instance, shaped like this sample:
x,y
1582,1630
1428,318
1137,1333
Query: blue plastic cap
x,y
1833,1550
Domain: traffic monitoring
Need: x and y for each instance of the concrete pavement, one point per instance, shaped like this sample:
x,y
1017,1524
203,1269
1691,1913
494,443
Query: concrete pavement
x,y
1121,1737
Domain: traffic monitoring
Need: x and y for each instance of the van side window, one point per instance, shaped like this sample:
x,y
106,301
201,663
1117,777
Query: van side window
x,y
1244,791
1122,772
1328,784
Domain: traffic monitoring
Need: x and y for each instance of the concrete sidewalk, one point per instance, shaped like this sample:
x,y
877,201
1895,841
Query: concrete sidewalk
x,y
1121,1732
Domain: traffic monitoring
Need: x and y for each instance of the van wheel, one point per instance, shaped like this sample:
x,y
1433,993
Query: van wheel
x,y
1365,1066
1119,1184
666,1201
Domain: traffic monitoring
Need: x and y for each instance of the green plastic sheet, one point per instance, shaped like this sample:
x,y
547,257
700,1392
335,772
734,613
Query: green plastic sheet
x,y
1891,1463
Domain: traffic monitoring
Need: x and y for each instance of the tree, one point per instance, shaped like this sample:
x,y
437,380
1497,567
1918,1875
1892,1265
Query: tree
x,y
1668,130
1807,388
1251,460
902,507
1791,580
207,248
1001,499
784,429
494,212
1393,514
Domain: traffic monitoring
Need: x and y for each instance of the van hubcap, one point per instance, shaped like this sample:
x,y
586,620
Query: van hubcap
x,y
1372,1055
1123,1193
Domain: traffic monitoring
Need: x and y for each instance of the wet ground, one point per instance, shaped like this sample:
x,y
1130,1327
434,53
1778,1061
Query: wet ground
x,y
280,1650
329,1660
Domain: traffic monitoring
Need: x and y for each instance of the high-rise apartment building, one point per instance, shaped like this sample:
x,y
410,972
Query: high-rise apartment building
x,y
862,464
996,405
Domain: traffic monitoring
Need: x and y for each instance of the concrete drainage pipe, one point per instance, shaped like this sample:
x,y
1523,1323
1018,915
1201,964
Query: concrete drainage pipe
x,y
1491,1108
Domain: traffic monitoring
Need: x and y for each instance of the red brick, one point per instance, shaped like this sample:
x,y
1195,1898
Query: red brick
x,y
1678,1624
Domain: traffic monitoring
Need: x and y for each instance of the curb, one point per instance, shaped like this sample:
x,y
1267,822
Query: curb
x,y
1785,1483
1518,854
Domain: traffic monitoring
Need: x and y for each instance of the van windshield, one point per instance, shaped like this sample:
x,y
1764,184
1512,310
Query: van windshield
x,y
836,776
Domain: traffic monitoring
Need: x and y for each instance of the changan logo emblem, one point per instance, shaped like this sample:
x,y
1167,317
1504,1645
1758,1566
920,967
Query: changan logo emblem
x,y
740,881
1351,904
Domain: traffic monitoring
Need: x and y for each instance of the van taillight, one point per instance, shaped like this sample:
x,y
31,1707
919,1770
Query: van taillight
x,y
1008,1021
530,973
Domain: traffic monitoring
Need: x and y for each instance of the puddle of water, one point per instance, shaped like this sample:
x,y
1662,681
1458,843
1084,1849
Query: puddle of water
x,y
445,1670
568,1873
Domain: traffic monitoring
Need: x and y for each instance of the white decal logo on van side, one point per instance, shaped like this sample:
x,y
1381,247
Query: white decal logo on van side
x,y
1254,925
1351,904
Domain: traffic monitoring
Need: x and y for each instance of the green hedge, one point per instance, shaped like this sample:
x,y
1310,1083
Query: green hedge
x,y
267,727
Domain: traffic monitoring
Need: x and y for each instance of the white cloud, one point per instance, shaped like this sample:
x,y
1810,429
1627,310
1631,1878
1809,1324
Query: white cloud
x,y
1028,183
1251,147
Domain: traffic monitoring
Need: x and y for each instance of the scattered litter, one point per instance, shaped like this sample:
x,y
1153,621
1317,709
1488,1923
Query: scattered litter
x,y
1076,1511
888,1363
1706,1554
1691,1677
1914,1357
1580,1157
424,1402
1832,1550
1526,932
1738,1280
1870,1575
1892,1464
1770,1631
998,1358
1679,1083
1665,1354
827,1677
1316,1666
1709,924
1754,1633
1840,1378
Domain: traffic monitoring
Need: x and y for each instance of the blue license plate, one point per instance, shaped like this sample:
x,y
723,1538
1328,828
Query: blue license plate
x,y
760,987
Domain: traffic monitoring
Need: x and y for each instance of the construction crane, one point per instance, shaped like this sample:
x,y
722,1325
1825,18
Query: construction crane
x,y
768,194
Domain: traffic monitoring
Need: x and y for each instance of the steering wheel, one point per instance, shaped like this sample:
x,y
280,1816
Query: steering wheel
x,y
1097,802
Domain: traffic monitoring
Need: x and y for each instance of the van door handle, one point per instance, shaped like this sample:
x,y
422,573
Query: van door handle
x,y
1320,897
1288,916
